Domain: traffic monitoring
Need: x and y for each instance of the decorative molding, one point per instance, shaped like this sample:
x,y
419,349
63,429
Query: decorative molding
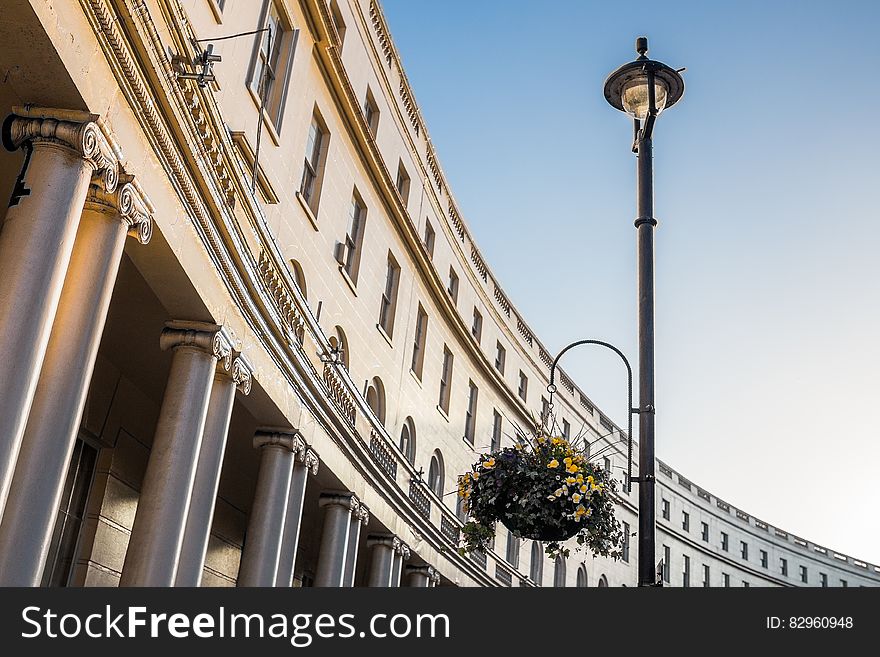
x,y
338,394
128,203
291,441
284,300
241,375
85,138
310,460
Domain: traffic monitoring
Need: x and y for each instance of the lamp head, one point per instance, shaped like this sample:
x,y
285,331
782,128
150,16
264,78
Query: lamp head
x,y
626,89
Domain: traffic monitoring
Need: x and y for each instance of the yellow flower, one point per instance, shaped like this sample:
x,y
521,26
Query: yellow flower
x,y
583,488
476,476
553,464
581,510
572,468
567,460
541,439
570,480
591,481
556,441
580,478
575,498
558,492
490,463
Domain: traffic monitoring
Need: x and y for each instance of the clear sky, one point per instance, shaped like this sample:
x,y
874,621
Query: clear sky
x,y
768,277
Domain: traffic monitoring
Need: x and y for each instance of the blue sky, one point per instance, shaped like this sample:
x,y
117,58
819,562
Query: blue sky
x,y
768,280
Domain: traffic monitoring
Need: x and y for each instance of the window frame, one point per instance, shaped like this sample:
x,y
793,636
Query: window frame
x,y
289,42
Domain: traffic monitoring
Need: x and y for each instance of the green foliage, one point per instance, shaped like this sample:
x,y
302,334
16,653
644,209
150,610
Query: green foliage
x,y
547,491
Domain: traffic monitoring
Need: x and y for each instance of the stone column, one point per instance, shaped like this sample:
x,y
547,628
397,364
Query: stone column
x,y
341,508
207,479
401,554
36,489
157,534
35,246
422,576
306,462
385,549
359,516
265,532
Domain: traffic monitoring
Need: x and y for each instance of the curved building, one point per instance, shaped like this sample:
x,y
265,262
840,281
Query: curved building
x,y
261,357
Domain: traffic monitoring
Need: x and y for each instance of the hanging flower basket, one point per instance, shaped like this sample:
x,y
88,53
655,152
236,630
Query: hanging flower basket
x,y
544,491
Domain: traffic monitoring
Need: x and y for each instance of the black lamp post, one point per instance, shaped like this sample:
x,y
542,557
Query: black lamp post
x,y
643,89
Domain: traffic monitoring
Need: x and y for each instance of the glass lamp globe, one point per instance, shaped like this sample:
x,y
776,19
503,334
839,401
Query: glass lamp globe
x,y
634,97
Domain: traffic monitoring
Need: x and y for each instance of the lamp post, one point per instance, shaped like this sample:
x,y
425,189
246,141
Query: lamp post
x,y
642,89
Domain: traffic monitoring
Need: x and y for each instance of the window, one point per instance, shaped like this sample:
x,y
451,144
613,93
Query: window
x,y
783,566
71,514
706,576
512,553
686,572
418,359
272,62
460,511
354,238
500,356
844,583
376,399
523,390
545,412
536,564
559,572
625,550
435,474
402,183
803,572
338,23
704,526
724,542
823,580
496,431
566,430
666,558
445,379
408,440
582,577
744,549
477,327
664,504
685,521
607,463
603,582
389,296
726,579
429,238
763,558
341,346
453,285
470,423
313,167
371,112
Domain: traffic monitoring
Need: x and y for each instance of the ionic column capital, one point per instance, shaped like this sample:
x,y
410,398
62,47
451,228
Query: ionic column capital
x,y
429,572
310,460
128,202
348,500
292,441
241,374
199,335
83,137
388,540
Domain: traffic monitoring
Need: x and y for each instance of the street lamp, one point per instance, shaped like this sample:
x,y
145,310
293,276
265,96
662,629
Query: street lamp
x,y
644,88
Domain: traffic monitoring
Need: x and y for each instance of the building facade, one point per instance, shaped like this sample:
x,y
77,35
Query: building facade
x,y
261,357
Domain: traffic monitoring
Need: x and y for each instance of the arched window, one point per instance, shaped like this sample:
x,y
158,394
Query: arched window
x,y
300,278
559,572
408,440
603,582
536,567
376,399
342,346
582,577
435,474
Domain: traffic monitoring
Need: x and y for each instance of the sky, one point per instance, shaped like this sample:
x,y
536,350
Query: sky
x,y
767,268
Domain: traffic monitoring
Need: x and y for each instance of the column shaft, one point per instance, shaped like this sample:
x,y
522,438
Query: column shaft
x,y
56,412
157,534
351,553
381,563
292,521
262,548
35,247
334,546
207,479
